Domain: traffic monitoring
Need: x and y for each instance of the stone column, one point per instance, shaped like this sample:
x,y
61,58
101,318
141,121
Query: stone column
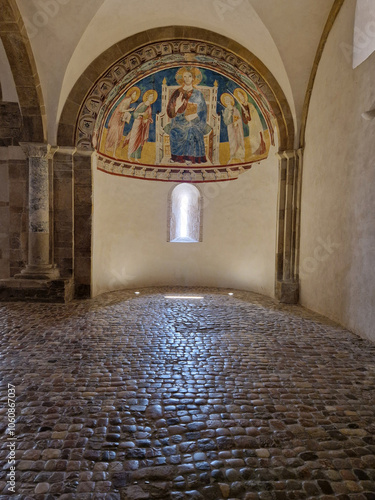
x,y
287,280
82,164
39,265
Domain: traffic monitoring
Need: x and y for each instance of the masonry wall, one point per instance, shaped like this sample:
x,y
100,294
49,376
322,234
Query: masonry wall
x,y
13,211
338,192
130,247
4,214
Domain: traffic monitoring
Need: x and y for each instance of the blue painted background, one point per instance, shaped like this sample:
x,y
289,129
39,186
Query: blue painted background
x,y
155,80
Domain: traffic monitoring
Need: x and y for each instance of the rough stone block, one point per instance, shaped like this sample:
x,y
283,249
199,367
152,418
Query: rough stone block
x,y
32,130
287,292
10,119
4,183
82,195
65,134
18,170
4,269
82,162
82,291
14,290
63,196
4,219
18,193
82,270
82,232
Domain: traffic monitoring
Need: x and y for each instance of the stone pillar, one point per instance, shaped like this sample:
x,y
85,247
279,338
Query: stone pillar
x,y
39,265
82,164
63,189
40,280
287,279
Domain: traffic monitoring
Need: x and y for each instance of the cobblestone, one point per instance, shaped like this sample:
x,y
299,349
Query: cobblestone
x,y
143,397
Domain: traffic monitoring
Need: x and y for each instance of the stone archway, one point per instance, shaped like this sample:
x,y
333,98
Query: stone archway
x,y
34,277
97,80
73,109
18,49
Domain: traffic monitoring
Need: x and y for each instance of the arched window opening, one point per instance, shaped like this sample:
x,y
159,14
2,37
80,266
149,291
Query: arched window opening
x,y
185,214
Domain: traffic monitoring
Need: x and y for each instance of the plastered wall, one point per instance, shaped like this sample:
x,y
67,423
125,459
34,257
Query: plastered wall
x,y
130,247
338,193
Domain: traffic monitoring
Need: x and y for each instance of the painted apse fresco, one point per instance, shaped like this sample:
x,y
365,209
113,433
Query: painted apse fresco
x,y
183,117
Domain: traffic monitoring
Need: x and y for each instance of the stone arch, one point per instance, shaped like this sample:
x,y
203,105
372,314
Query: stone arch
x,y
90,90
72,111
18,49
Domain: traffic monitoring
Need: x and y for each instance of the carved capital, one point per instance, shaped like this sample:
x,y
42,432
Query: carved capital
x,y
287,154
84,152
290,154
36,150
66,150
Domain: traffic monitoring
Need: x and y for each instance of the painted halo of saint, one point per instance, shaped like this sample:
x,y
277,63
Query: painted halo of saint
x,y
196,73
149,93
134,93
226,99
252,123
233,120
120,116
139,133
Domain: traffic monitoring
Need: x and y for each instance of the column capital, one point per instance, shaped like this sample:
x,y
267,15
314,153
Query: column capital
x,y
66,150
287,154
37,150
84,152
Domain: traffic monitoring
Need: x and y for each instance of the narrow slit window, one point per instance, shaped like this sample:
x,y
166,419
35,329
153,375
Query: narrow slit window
x,y
185,214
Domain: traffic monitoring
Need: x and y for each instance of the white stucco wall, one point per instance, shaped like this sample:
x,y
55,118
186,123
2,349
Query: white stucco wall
x,y
237,20
80,30
8,86
130,246
338,194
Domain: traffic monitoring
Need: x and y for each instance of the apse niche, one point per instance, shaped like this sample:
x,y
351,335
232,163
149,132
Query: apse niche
x,y
174,124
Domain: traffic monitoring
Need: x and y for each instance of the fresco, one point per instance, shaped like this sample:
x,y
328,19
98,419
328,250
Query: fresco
x,y
185,117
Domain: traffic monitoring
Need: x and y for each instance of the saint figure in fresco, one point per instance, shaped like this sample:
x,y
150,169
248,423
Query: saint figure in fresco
x,y
141,126
119,118
188,110
251,121
233,120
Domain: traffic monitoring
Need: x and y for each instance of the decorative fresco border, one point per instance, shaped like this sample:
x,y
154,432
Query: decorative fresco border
x,y
165,174
139,62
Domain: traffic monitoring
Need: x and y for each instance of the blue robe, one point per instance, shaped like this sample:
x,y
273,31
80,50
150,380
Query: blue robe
x,y
186,137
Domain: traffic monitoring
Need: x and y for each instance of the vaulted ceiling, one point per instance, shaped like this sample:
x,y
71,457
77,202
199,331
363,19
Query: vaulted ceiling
x,y
67,35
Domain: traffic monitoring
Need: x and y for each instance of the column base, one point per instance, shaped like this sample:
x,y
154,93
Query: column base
x,y
36,290
47,272
287,292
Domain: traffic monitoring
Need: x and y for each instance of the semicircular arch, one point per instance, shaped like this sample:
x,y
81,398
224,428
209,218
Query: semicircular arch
x,y
25,74
81,109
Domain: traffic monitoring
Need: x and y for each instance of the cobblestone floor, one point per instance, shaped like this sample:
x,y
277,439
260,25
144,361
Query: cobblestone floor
x,y
126,397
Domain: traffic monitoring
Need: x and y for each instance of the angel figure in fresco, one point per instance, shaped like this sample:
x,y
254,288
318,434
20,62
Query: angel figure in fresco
x,y
188,110
119,118
233,121
141,126
251,121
